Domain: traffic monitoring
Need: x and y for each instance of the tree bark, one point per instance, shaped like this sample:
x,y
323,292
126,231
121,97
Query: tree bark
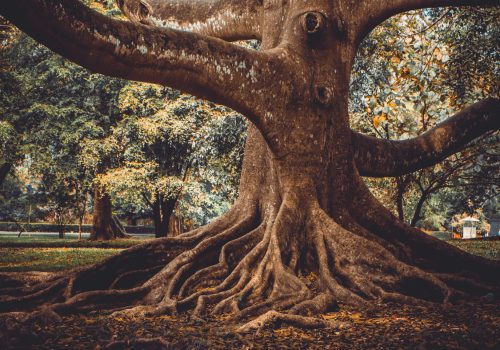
x,y
162,212
225,19
381,158
4,171
401,186
305,232
104,227
80,224
418,209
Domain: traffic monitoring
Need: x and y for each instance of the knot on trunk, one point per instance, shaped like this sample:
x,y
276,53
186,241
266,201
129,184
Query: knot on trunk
x,y
323,95
313,23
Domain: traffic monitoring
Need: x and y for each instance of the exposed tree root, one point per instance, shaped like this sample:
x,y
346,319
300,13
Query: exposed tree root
x,y
288,265
273,318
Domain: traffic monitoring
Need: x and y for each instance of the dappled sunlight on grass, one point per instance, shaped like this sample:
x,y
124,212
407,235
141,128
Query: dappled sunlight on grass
x,y
40,240
486,248
51,259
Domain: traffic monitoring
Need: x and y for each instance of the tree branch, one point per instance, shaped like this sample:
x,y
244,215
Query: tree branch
x,y
225,19
203,66
380,158
372,13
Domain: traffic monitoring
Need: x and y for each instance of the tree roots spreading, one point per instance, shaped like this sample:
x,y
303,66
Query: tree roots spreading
x,y
288,265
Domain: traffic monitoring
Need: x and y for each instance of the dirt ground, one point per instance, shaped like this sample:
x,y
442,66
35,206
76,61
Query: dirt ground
x,y
466,326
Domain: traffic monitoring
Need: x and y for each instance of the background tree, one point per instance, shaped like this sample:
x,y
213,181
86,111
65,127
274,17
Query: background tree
x,y
409,85
305,231
164,146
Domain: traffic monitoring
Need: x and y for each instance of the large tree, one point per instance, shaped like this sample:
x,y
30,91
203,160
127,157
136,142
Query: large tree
x,y
305,231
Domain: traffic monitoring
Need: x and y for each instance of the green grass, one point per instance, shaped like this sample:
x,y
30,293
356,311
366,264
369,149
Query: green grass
x,y
38,252
51,259
486,248
39,240
44,253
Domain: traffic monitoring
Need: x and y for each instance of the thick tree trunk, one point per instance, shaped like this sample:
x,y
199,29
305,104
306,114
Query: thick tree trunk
x,y
162,212
305,232
104,227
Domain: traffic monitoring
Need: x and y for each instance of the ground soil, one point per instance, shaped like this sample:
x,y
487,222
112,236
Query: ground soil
x,y
465,326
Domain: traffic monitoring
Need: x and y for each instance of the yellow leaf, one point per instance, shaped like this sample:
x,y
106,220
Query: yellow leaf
x,y
379,119
89,321
395,59
330,316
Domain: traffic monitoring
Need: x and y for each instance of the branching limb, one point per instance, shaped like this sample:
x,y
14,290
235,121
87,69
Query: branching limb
x,y
224,19
372,13
203,66
379,158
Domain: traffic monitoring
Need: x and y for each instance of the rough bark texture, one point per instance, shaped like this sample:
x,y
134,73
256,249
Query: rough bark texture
x,y
104,225
163,209
305,232
379,157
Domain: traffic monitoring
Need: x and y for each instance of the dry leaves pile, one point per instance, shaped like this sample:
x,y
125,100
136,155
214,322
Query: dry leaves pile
x,y
467,326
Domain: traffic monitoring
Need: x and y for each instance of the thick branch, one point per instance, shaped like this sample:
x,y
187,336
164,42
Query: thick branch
x,y
225,19
372,13
203,66
379,158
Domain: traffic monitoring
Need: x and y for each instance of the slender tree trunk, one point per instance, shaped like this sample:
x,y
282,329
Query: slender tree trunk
x,y
103,226
82,210
61,232
157,218
60,223
418,209
80,224
400,191
4,171
131,220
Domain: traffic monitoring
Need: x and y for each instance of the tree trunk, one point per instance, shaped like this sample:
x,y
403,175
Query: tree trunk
x,y
60,224
80,224
400,191
132,221
104,227
4,171
418,209
305,232
162,211
61,232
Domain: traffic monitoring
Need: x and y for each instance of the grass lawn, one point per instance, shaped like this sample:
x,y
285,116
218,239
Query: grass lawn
x,y
486,248
51,259
473,325
48,253
36,240
38,252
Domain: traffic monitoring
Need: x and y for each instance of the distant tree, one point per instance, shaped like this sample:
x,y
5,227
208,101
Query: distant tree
x,y
165,144
407,86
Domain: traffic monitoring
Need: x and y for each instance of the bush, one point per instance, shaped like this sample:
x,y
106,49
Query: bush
x,y
432,222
